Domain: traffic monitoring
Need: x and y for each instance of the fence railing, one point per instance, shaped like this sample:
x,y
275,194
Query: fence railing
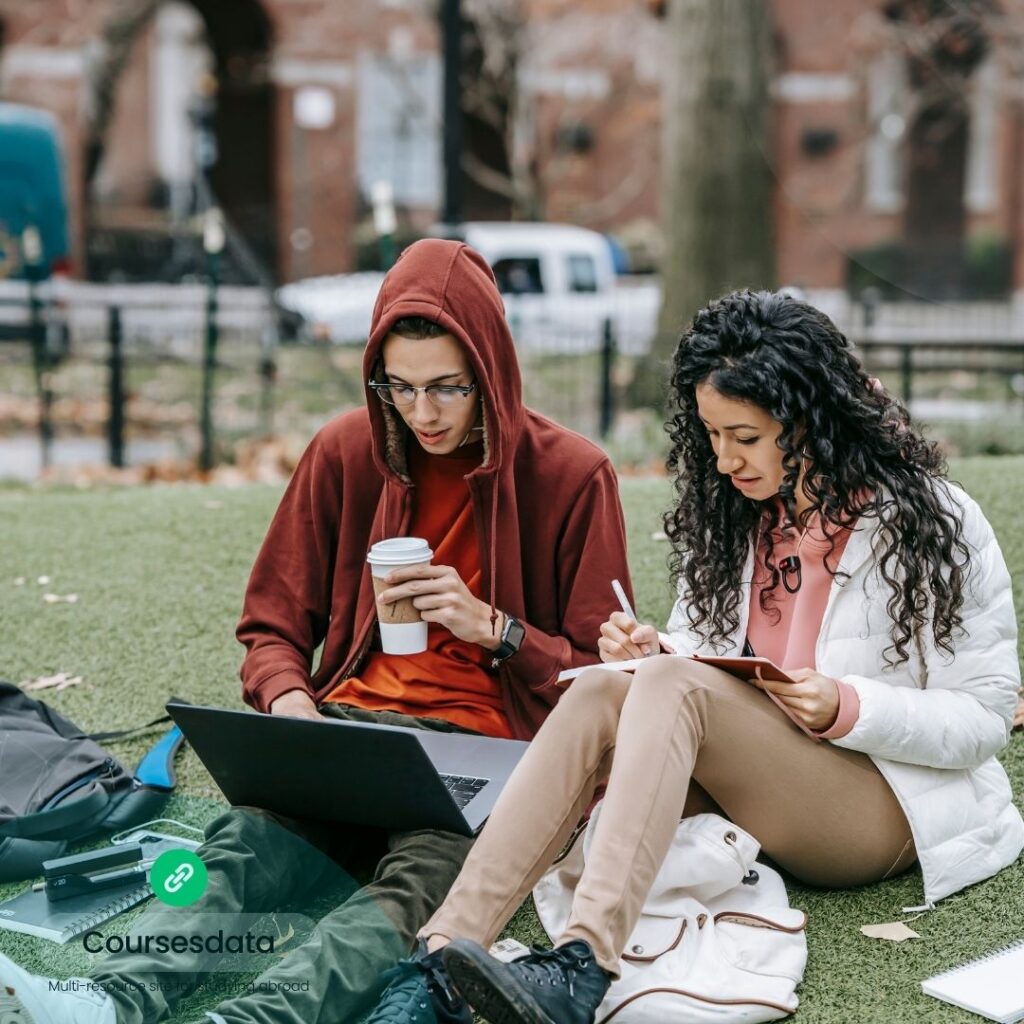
x,y
910,357
941,340
197,365
199,370
72,332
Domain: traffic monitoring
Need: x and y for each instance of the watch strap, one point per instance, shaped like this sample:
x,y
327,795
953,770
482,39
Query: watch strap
x,y
512,635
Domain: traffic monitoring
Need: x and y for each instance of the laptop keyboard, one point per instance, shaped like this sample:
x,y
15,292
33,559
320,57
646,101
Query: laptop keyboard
x,y
463,788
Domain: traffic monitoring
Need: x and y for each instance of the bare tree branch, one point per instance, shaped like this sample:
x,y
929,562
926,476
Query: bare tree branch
x,y
489,178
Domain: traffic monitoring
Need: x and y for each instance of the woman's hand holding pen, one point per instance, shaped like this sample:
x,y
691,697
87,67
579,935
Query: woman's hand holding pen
x,y
623,638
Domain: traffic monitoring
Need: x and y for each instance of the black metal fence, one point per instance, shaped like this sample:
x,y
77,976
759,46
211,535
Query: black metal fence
x,y
121,374
962,349
126,362
124,374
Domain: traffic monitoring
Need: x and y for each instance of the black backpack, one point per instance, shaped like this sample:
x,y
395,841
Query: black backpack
x,y
59,786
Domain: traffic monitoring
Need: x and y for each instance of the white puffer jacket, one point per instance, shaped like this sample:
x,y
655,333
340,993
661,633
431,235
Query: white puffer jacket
x,y
933,724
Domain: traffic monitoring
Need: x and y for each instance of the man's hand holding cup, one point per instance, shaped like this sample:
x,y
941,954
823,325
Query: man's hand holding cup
x,y
623,638
440,595
411,593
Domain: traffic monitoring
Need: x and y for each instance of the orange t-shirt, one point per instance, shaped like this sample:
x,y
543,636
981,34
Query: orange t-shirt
x,y
451,679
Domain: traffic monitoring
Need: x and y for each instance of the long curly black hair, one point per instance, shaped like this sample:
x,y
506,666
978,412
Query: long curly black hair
x,y
862,459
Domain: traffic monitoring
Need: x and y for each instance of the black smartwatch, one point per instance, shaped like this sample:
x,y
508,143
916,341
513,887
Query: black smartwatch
x,y
511,640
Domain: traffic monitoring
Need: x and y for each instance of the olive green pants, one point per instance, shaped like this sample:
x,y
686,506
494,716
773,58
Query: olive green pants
x,y
259,862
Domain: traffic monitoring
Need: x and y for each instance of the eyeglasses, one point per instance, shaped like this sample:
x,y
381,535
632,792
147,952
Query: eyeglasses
x,y
440,395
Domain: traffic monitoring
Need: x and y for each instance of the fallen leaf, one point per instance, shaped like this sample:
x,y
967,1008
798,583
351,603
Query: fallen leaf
x,y
213,505
19,581
659,535
61,681
60,599
43,580
894,931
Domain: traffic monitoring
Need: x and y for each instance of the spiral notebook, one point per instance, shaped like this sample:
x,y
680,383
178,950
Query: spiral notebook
x,y
32,913
990,986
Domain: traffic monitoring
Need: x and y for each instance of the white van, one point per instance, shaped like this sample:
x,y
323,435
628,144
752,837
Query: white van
x,y
558,283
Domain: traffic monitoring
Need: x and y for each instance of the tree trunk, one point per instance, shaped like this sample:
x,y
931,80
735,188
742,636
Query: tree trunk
x,y
717,191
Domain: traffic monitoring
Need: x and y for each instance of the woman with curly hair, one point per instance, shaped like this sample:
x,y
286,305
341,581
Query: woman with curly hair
x,y
813,526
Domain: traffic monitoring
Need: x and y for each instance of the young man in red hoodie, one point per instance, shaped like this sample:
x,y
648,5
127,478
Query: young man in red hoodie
x,y
525,523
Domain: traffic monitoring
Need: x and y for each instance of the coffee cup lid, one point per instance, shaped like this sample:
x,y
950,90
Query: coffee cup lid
x,y
400,551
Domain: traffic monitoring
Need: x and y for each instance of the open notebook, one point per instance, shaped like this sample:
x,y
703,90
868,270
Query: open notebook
x,y
744,668
990,986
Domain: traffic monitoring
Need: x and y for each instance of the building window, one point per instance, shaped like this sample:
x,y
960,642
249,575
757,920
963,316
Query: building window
x,y
180,61
398,135
888,96
981,186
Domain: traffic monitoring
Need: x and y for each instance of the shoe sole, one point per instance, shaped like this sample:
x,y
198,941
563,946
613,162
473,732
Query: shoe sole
x,y
488,991
12,1009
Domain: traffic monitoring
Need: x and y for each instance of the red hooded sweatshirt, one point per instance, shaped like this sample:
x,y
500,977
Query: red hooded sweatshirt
x,y
545,505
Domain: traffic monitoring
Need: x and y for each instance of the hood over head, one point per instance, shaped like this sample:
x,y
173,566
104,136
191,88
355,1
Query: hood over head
x,y
451,284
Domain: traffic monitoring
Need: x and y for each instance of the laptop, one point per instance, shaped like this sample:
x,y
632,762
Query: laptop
x,y
354,772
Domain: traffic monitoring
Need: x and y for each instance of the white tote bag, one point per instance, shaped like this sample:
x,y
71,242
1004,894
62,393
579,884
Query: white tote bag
x,y
717,939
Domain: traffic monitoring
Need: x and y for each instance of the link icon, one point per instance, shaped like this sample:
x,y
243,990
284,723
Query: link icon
x,y
178,878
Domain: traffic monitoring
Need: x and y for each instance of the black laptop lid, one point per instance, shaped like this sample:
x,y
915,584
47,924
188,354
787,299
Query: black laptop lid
x,y
352,772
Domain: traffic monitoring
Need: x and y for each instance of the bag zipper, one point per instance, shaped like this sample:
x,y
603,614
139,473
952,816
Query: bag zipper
x,y
105,769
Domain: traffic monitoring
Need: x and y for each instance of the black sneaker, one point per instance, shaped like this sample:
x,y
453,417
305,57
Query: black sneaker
x,y
547,986
419,991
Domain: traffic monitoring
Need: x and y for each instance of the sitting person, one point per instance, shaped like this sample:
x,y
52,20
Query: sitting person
x,y
525,523
813,527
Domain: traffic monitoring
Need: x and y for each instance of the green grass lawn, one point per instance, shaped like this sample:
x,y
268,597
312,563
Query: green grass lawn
x,y
160,573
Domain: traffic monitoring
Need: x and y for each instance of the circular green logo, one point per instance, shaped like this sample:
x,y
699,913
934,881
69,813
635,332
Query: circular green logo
x,y
178,877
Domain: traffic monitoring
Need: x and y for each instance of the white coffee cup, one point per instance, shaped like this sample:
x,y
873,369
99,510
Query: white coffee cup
x,y
402,631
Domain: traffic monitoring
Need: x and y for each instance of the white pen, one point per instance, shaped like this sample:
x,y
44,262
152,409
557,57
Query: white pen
x,y
626,606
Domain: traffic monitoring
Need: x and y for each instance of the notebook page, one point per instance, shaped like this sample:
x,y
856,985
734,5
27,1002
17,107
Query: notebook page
x,y
990,986
566,675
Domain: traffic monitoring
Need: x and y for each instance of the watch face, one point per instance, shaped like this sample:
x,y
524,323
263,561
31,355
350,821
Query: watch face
x,y
514,633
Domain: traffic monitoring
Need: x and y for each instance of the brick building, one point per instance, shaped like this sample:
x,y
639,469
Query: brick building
x,y
880,168
301,106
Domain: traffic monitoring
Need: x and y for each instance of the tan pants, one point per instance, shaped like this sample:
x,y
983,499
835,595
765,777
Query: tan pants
x,y
824,814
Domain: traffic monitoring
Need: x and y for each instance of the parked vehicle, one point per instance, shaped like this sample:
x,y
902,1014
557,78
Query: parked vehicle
x,y
560,286
32,195
558,282
33,218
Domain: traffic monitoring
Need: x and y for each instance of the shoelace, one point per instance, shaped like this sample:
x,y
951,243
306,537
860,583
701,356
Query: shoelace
x,y
437,979
553,966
